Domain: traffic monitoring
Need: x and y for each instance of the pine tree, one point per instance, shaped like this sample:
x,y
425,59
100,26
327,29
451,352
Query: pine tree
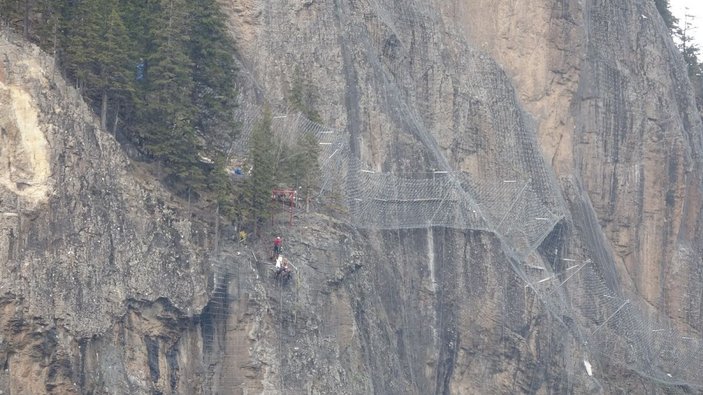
x,y
140,19
214,92
664,10
11,12
98,53
214,70
17,14
46,28
261,182
688,48
167,115
304,162
164,67
690,51
302,97
308,166
82,32
114,54
36,20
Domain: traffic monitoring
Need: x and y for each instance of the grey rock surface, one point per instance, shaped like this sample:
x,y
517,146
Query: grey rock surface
x,y
110,285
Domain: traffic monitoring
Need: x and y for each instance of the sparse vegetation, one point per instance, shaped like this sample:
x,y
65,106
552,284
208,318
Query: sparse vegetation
x,y
683,35
160,74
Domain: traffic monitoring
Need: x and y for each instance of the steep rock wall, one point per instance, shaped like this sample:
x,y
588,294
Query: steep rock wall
x,y
615,111
434,85
82,241
107,286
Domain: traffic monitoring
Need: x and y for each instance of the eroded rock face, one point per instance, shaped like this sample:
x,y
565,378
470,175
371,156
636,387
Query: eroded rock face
x,y
106,287
424,85
80,237
25,152
614,109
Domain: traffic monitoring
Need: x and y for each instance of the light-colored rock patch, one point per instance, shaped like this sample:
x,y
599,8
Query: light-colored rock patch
x,y
24,156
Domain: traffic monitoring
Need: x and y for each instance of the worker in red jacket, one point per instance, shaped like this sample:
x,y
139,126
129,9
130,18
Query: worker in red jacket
x,y
276,247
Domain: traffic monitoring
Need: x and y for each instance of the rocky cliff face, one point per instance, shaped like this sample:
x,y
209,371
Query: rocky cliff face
x,y
108,285
440,85
82,242
610,95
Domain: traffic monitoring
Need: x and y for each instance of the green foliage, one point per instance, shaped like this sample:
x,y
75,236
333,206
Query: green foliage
x,y
689,49
140,18
11,11
303,166
211,48
691,52
97,52
262,180
298,166
308,166
166,116
182,109
47,25
303,97
16,13
664,10
114,55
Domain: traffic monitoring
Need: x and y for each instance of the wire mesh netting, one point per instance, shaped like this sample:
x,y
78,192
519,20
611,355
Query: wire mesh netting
x,y
521,208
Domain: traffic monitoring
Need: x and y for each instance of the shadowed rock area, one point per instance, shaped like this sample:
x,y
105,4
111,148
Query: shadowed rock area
x,y
110,285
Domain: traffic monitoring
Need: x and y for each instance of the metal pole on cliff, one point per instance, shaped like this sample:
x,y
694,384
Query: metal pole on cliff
x,y
19,229
280,332
217,228
292,201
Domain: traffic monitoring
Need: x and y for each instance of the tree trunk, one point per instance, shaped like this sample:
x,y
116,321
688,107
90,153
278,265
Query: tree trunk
x,y
188,203
217,229
103,111
25,24
117,119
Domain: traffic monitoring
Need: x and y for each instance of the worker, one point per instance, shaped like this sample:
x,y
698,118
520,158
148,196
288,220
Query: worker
x,y
282,267
277,247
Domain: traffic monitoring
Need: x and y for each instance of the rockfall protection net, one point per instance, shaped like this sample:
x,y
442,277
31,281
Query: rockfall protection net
x,y
513,207
522,208
243,281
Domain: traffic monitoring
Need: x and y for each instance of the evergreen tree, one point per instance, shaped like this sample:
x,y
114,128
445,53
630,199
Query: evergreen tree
x,y
17,14
304,162
212,50
308,166
167,115
690,51
98,52
11,12
140,19
214,92
302,97
82,32
664,10
114,54
688,48
48,25
164,67
261,182
37,20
